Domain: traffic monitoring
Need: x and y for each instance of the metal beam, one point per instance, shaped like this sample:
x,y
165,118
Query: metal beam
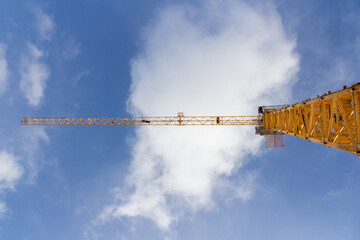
x,y
331,120
179,120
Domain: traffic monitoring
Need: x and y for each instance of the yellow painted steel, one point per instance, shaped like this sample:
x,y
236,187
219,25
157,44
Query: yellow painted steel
x,y
331,119
275,141
179,120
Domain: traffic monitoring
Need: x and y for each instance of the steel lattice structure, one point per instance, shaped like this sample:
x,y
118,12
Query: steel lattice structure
x,y
331,120
179,120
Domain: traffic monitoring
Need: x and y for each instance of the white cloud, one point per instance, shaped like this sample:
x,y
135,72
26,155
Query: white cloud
x,y
3,209
34,75
222,57
91,234
79,76
24,164
72,49
44,23
30,139
336,193
3,69
10,171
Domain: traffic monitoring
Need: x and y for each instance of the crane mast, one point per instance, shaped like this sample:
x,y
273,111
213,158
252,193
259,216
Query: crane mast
x,y
331,119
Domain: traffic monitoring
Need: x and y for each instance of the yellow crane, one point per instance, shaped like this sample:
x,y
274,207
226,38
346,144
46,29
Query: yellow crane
x,y
331,119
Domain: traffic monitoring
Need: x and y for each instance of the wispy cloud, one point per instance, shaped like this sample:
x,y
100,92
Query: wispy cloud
x,y
10,170
91,234
72,49
10,173
336,193
331,195
34,75
29,145
79,76
20,159
3,69
44,23
216,58
3,209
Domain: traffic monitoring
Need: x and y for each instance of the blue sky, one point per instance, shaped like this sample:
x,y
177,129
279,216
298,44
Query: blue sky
x,y
121,58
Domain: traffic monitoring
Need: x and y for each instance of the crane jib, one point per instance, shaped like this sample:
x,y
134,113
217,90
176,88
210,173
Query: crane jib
x,y
178,120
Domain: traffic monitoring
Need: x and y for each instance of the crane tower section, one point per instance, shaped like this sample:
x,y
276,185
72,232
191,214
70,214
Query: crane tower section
x,y
331,119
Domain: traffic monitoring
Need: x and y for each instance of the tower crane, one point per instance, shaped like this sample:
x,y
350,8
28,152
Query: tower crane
x,y
331,119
